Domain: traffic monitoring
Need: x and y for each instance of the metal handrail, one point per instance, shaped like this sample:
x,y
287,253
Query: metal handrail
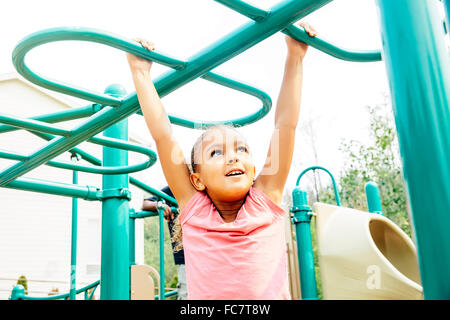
x,y
19,293
335,189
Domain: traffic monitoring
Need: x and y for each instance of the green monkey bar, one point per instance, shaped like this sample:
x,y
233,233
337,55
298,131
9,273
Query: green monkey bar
x,y
417,65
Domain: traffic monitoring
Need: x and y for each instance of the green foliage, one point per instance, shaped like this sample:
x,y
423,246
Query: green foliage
x,y
316,259
24,282
151,250
377,162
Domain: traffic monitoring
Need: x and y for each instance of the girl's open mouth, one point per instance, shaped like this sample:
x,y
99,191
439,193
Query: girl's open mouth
x,y
235,172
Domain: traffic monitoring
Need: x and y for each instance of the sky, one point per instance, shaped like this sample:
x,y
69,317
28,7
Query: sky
x,y
334,96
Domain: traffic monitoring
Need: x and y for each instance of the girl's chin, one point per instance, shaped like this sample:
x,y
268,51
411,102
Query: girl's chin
x,y
237,192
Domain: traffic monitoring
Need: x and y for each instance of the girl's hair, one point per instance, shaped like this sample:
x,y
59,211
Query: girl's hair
x,y
200,139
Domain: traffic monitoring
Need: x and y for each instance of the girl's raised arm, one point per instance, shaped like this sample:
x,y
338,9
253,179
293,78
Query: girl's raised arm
x,y
171,156
272,178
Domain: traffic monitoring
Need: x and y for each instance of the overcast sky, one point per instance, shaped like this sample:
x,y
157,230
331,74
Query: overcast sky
x,y
334,93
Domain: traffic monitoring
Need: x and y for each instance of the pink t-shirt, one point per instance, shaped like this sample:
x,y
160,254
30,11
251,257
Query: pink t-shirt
x,y
244,259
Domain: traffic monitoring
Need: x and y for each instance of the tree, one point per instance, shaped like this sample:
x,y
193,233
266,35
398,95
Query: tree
x,y
379,162
24,282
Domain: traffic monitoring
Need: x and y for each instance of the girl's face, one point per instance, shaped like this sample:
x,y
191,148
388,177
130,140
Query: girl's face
x,y
224,165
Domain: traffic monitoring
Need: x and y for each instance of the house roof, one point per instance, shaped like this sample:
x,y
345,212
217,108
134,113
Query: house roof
x,y
65,101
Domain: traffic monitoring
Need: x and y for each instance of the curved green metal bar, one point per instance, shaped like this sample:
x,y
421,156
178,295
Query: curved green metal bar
x,y
245,9
81,34
116,143
331,49
239,122
109,39
168,294
80,167
33,125
282,15
95,161
336,192
58,297
59,116
43,127
297,33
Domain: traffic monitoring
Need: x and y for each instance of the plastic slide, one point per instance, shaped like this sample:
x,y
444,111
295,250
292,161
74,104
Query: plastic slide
x,y
364,255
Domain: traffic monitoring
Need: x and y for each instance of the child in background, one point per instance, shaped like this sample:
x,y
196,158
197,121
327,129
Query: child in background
x,y
232,222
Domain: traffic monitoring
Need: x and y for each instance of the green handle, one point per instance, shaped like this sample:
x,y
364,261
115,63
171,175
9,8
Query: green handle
x,y
336,192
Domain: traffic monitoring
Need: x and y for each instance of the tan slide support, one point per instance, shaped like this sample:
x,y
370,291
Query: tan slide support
x,y
364,255
142,284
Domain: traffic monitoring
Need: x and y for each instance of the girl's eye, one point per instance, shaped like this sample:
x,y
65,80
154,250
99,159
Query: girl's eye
x,y
242,149
216,152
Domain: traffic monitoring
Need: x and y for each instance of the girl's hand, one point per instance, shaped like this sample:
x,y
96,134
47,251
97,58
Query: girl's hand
x,y
298,48
138,64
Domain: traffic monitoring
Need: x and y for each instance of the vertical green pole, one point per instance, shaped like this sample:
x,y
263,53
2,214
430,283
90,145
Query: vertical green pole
x,y
115,269
418,67
132,228
373,197
17,293
302,221
162,286
73,249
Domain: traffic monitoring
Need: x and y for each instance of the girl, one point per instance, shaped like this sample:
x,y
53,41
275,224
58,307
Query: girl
x,y
233,231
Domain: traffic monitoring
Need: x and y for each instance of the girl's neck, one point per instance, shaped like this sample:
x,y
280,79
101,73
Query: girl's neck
x,y
228,210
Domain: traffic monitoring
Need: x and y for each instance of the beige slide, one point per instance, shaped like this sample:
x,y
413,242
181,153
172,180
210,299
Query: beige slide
x,y
364,255
142,284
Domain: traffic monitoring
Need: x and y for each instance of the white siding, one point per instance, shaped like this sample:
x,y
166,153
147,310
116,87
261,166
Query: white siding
x,y
35,228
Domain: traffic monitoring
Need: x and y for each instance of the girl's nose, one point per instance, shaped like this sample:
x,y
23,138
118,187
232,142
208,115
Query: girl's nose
x,y
233,159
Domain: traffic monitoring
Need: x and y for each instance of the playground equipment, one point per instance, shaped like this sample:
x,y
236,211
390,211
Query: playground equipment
x,y
378,260
418,68
351,245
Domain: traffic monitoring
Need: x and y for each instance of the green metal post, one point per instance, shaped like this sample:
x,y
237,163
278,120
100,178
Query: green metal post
x,y
132,237
18,293
373,197
302,221
115,269
73,249
162,275
418,68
